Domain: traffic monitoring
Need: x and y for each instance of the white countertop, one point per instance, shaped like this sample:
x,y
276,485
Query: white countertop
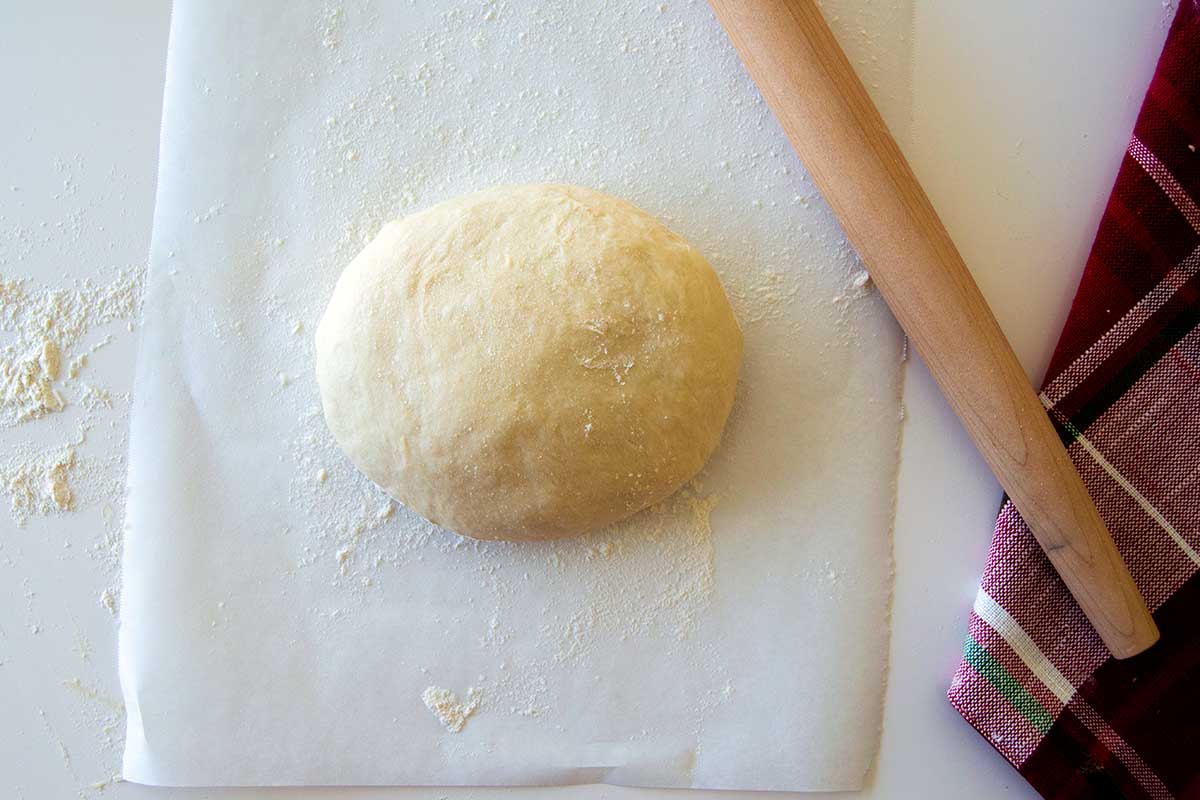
x,y
1021,113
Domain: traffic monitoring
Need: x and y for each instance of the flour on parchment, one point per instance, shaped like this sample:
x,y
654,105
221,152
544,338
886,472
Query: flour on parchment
x,y
649,577
450,711
407,114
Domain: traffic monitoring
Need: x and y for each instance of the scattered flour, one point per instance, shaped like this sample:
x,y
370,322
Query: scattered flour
x,y
39,483
650,575
329,26
27,380
105,717
108,600
1167,12
649,578
94,398
760,295
449,710
43,481
63,440
43,330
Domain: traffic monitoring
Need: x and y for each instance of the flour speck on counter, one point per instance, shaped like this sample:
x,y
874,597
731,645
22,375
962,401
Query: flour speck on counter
x,y
450,711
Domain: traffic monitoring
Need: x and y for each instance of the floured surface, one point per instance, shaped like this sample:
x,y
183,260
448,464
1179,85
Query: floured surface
x,y
42,347
47,336
283,622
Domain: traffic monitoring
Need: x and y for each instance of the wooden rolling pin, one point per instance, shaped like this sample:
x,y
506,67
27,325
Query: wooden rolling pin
x,y
807,81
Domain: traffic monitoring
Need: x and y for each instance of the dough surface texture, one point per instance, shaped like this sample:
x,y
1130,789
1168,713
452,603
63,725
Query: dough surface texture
x,y
528,362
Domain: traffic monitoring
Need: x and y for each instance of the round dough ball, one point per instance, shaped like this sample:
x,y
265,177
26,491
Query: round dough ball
x,y
528,362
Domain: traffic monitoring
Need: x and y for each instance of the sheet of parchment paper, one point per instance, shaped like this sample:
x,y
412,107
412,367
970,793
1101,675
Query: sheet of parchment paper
x,y
282,620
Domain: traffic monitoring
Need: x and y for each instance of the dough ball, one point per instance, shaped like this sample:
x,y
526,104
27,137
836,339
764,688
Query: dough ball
x,y
528,362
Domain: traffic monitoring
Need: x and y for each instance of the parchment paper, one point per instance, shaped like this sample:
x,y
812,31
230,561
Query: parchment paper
x,y
280,620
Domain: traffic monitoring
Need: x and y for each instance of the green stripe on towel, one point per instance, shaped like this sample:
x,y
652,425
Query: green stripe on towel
x,y
995,674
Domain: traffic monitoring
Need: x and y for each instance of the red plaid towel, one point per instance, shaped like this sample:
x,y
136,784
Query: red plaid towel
x,y
1124,391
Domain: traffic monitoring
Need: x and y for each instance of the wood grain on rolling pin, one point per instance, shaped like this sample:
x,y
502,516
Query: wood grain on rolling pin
x,y
829,118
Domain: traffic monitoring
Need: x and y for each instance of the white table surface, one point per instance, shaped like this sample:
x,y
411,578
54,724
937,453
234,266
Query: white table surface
x,y
1021,113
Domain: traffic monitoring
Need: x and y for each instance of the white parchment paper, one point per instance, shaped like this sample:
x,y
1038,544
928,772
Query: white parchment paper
x,y
280,619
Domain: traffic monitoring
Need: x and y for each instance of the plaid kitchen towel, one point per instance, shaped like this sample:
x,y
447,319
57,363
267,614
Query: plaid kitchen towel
x,y
1124,391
